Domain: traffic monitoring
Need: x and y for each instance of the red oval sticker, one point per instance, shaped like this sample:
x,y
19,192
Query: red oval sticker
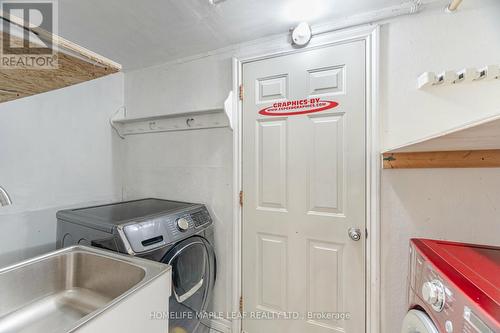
x,y
298,107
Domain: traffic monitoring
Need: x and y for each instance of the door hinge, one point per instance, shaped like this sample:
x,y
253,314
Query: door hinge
x,y
241,304
241,92
241,198
366,233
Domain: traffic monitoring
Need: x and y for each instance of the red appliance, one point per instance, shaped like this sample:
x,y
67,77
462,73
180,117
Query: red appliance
x,y
456,285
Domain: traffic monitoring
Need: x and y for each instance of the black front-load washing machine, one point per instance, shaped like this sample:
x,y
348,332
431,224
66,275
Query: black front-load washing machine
x,y
176,233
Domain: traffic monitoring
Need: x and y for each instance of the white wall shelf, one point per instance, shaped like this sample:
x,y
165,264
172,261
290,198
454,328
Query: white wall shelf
x,y
186,121
213,118
473,145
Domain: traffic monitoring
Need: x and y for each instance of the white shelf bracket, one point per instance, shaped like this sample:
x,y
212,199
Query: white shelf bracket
x,y
228,108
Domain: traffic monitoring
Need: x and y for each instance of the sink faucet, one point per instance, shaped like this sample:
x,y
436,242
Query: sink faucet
x,y
4,198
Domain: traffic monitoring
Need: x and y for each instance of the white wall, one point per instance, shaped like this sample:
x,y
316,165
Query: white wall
x,y
460,204
415,203
453,204
436,41
178,87
57,150
193,166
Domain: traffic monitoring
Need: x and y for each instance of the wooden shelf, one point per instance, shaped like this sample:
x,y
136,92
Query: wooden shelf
x,y
443,159
75,65
475,145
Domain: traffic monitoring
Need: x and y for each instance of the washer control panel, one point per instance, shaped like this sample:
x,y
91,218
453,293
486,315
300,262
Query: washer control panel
x,y
451,310
433,294
159,231
182,224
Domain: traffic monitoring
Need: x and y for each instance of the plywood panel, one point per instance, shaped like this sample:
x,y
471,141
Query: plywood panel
x,y
272,272
443,159
271,164
21,82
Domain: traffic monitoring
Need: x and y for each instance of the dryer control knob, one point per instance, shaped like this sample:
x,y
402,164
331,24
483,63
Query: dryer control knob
x,y
433,294
182,224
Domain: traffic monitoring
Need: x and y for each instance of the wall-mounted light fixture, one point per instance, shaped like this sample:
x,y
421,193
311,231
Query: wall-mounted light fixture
x,y
301,34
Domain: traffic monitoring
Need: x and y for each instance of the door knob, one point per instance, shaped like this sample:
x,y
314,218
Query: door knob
x,y
354,234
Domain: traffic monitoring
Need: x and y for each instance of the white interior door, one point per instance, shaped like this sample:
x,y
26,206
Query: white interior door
x,y
304,187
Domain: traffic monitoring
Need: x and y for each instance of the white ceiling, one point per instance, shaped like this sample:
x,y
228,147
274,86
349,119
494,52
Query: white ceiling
x,y
141,33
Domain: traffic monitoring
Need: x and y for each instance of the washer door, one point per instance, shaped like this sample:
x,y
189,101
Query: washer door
x,y
417,321
193,277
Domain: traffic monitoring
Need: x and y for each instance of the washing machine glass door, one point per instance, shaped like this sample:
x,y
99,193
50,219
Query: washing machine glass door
x,y
417,321
193,276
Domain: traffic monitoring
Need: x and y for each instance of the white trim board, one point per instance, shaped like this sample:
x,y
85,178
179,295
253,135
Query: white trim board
x,y
369,34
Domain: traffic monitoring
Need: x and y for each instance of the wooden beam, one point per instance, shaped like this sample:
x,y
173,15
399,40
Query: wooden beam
x,y
443,159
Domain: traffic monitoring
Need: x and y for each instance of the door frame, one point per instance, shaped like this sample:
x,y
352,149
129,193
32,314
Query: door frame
x,y
280,46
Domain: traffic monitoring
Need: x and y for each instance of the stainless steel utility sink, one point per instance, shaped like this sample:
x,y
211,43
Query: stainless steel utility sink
x,y
62,290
